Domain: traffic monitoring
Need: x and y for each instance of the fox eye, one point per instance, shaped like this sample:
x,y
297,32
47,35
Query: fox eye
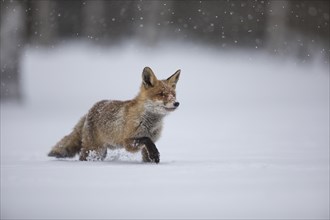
x,y
161,94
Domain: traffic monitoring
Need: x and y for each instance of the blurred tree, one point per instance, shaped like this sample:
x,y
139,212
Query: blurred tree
x,y
308,22
94,18
12,33
69,16
149,14
43,27
276,27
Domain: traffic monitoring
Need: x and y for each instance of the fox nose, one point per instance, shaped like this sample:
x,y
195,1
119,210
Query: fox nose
x,y
176,104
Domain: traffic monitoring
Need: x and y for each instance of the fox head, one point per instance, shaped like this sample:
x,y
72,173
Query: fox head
x,y
159,95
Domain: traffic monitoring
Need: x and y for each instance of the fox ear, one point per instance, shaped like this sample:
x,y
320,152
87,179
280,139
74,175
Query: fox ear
x,y
172,80
148,77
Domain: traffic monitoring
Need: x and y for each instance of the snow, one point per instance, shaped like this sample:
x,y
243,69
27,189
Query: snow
x,y
249,140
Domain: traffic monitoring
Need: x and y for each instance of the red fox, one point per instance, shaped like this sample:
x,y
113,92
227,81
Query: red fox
x,y
134,124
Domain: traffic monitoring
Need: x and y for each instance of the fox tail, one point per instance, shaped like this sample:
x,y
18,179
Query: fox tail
x,y
69,145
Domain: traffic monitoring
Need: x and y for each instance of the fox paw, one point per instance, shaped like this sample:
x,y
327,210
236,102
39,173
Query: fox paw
x,y
154,155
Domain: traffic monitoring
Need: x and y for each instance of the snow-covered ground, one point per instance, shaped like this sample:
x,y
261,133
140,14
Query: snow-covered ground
x,y
249,140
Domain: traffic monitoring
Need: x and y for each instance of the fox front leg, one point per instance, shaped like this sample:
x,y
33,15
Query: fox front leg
x,y
149,151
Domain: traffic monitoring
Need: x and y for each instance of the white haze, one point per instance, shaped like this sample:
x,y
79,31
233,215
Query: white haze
x,y
249,140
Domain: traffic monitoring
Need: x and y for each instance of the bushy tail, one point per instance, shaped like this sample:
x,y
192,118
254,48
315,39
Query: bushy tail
x,y
70,145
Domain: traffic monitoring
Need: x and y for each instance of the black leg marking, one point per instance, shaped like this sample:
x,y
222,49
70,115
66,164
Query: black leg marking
x,y
152,151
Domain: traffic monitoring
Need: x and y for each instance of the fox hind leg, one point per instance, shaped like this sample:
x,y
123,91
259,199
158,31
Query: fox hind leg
x,y
96,154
